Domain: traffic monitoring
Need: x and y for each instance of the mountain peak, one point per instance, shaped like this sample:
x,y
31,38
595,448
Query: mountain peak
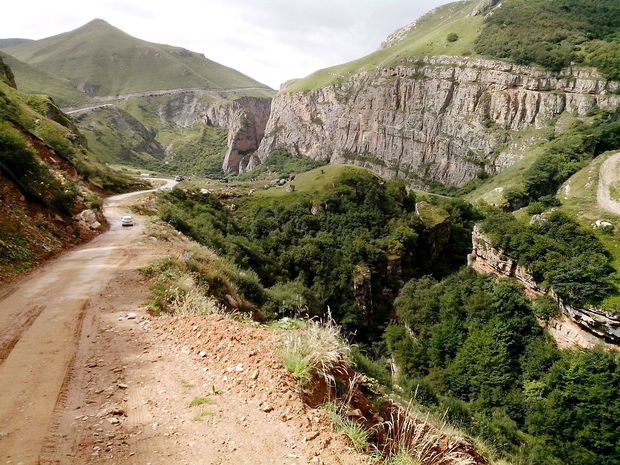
x,y
97,22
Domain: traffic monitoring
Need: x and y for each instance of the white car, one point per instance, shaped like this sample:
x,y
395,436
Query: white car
x,y
127,221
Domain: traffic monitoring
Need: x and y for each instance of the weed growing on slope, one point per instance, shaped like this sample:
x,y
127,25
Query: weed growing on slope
x,y
319,350
198,401
357,434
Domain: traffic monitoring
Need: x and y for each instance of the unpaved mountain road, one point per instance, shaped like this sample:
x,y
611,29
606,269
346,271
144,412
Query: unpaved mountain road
x,y
40,322
607,177
81,383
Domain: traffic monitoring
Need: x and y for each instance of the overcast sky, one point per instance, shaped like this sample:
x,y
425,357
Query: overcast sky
x,y
270,40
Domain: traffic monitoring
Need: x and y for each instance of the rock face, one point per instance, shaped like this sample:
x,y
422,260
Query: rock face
x,y
435,119
245,118
6,74
487,259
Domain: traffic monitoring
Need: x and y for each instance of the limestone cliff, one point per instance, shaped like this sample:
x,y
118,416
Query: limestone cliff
x,y
437,119
245,118
485,258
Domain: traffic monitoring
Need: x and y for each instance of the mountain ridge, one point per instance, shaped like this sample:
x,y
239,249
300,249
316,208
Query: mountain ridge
x,y
101,59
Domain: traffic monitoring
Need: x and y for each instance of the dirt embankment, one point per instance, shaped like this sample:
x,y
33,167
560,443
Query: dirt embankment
x,y
196,390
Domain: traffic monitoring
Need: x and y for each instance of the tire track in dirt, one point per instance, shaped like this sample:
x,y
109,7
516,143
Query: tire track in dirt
x,y
61,399
9,338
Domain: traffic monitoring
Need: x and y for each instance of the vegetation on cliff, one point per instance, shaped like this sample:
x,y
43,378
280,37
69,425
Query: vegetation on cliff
x,y
555,34
348,246
558,252
471,347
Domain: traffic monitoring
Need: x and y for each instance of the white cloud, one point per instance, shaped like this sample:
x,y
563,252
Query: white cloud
x,y
270,40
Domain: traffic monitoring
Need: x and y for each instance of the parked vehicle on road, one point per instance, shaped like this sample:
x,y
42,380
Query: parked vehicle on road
x,y
127,221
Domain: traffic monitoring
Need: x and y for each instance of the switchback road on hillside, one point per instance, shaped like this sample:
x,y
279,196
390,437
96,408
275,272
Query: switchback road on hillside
x,y
40,324
607,177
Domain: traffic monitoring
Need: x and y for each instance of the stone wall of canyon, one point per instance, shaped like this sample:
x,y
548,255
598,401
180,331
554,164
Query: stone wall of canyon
x,y
244,117
436,119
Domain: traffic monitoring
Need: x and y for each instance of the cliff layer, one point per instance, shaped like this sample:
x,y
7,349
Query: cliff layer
x,y
245,118
485,258
441,119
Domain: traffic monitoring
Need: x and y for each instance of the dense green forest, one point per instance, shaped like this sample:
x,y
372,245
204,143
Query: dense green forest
x,y
555,34
558,252
470,345
361,232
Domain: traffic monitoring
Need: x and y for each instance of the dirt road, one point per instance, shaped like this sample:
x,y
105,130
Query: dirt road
x,y
608,176
40,322
88,377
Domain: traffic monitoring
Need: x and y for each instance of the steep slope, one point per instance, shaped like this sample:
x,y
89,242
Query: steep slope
x,y
34,81
103,60
49,182
417,110
152,106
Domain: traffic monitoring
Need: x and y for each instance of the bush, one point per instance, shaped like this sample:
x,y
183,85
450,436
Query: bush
x,y
452,37
318,350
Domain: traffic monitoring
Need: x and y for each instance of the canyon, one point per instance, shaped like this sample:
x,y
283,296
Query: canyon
x,y
438,119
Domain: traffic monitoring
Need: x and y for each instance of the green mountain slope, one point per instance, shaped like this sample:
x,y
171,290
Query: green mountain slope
x,y
428,37
549,33
100,59
34,81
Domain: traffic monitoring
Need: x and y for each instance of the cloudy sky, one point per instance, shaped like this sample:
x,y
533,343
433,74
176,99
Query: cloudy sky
x,y
270,40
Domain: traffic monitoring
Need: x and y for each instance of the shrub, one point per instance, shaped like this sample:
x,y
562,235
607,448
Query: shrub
x,y
452,37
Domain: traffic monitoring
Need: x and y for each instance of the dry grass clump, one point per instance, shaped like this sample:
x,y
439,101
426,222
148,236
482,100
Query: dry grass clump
x,y
318,350
412,440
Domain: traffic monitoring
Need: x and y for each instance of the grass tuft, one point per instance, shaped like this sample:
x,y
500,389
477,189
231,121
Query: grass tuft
x,y
317,350
357,434
197,401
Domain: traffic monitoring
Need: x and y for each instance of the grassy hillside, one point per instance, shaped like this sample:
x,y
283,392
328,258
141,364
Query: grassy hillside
x,y
103,60
6,43
34,81
549,33
428,37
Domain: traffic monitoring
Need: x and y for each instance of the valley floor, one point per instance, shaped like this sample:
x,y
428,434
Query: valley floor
x,y
87,376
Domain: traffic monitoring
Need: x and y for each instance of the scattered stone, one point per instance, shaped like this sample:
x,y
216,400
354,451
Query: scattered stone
x,y
122,386
132,315
202,354
265,407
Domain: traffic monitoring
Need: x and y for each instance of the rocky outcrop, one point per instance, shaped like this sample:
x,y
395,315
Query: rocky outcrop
x,y
6,74
485,258
245,118
440,119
